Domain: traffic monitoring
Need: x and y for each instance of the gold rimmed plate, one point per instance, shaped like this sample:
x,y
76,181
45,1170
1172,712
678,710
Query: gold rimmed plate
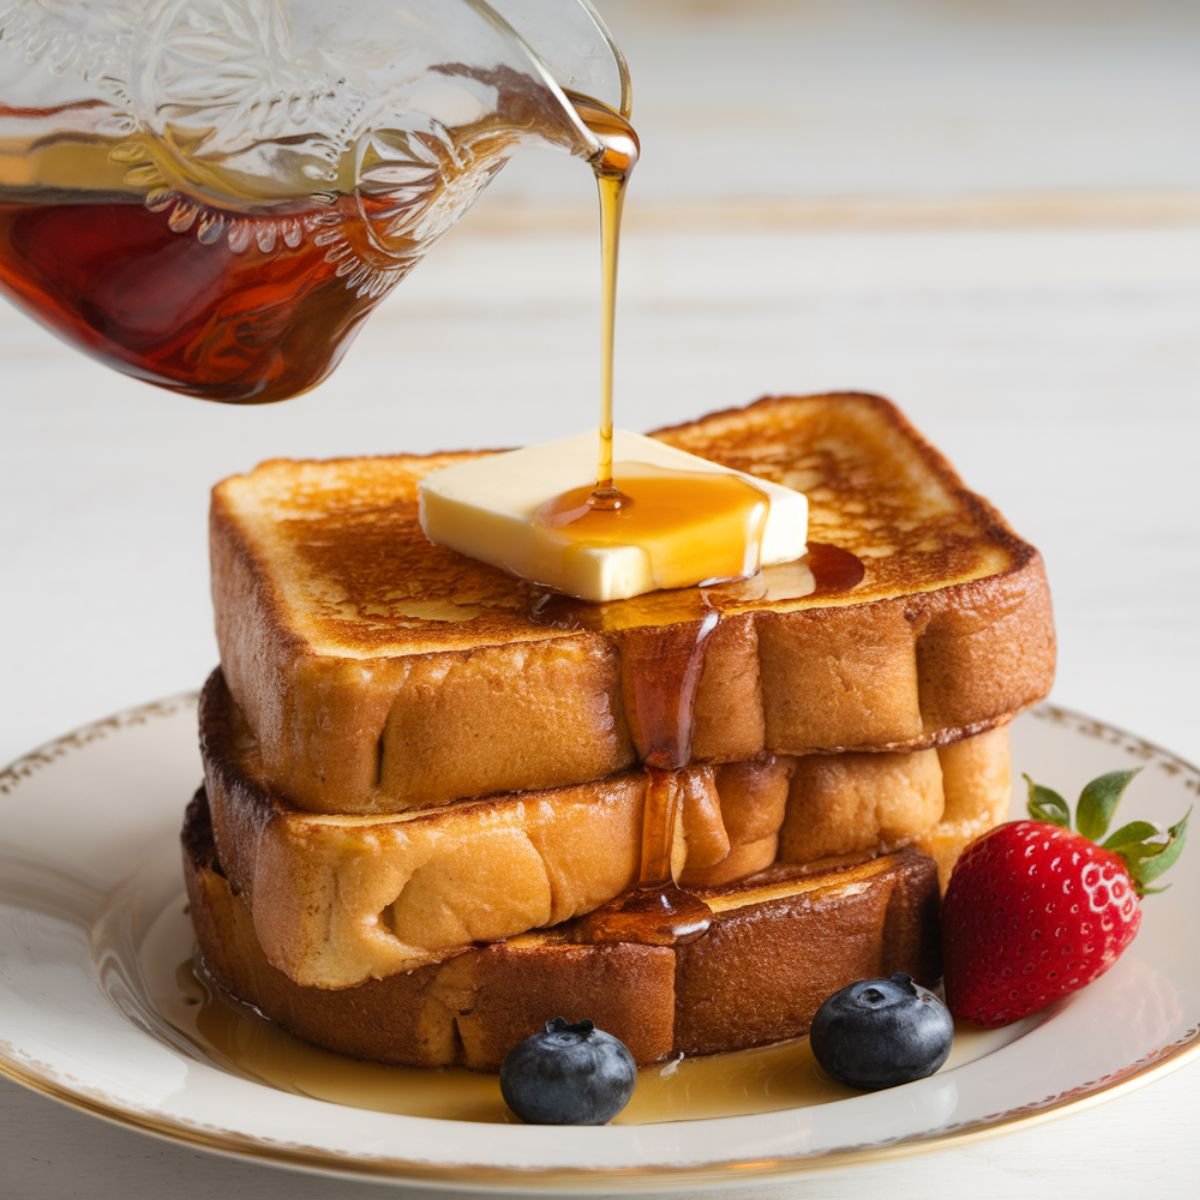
x,y
95,990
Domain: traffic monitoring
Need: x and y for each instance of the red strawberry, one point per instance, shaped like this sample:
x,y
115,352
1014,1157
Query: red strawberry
x,y
1034,911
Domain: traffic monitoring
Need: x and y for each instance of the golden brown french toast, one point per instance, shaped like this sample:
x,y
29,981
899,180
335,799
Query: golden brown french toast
x,y
380,672
339,900
779,945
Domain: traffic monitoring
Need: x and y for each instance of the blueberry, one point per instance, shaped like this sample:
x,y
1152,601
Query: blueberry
x,y
568,1075
877,1033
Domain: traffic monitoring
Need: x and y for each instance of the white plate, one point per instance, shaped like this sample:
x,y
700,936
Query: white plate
x,y
89,861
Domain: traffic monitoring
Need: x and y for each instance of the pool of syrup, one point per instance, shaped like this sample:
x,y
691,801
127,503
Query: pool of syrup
x,y
824,571
182,1006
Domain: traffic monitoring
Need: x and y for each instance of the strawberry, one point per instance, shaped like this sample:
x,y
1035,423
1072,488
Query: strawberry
x,y
1035,911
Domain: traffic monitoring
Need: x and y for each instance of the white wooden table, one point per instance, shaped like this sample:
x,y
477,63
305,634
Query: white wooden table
x,y
1042,328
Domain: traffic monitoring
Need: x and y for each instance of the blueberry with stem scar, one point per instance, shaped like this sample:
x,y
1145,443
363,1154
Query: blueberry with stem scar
x,y
878,1033
568,1074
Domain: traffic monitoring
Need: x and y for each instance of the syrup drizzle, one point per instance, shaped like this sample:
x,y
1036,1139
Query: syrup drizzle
x,y
613,167
662,668
664,638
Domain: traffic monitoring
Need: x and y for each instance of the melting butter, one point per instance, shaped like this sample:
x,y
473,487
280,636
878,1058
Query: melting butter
x,y
674,519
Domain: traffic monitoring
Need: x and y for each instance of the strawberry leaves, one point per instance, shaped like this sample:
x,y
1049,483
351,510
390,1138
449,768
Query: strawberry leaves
x,y
1047,805
1098,801
1135,831
1154,858
1146,850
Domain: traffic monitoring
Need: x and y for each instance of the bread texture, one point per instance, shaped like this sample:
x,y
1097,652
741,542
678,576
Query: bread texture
x,y
338,900
779,945
380,673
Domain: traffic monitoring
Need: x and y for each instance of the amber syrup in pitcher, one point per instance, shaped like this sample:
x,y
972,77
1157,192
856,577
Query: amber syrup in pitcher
x,y
251,325
239,308
245,306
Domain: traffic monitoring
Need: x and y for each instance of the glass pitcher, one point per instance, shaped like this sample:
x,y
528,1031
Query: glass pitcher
x,y
212,195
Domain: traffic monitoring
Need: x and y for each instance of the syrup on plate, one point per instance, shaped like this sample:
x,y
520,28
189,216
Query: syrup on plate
x,y
238,1039
182,1007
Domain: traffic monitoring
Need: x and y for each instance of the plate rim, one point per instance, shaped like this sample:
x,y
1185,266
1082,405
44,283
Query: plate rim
x,y
1160,1062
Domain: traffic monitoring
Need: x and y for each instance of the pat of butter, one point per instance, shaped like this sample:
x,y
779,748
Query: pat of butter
x,y
487,508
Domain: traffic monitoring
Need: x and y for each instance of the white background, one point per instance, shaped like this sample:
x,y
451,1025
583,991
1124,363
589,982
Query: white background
x,y
990,212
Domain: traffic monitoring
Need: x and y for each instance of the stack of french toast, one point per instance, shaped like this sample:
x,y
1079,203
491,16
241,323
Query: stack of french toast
x,y
426,797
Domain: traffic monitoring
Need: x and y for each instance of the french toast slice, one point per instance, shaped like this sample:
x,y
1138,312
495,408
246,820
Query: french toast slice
x,y
381,673
778,946
339,900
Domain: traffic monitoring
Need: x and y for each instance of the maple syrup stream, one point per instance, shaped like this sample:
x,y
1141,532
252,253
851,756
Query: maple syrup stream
x,y
612,166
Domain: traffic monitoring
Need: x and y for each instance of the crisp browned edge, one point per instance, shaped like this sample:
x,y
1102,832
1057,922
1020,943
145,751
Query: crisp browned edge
x,y
234,537
1024,556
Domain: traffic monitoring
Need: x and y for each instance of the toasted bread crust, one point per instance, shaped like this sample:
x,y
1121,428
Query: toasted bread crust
x,y
826,929
950,632
336,901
